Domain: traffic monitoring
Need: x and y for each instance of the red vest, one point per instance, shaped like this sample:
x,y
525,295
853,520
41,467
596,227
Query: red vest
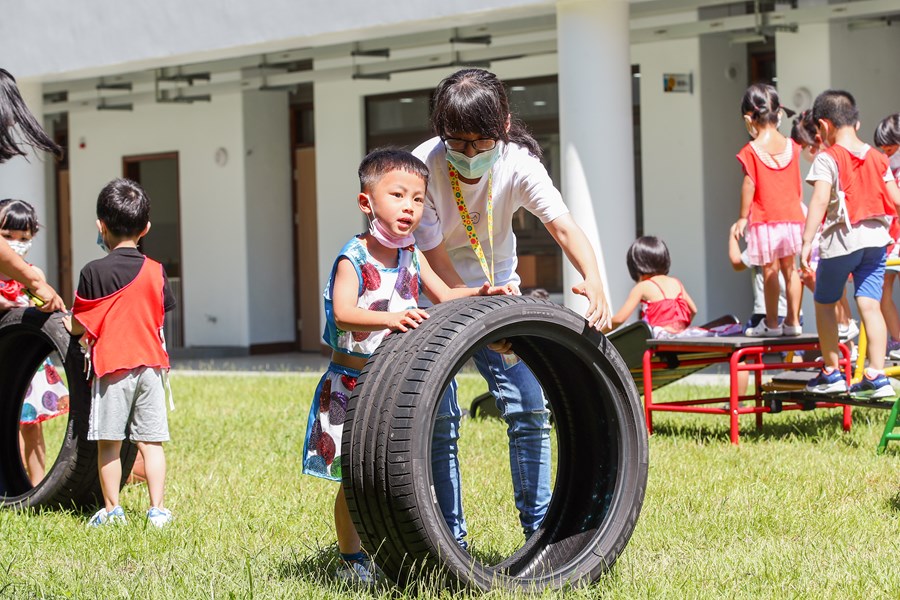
x,y
777,196
862,181
124,327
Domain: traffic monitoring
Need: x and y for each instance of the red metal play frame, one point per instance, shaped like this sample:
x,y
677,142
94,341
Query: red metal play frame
x,y
709,351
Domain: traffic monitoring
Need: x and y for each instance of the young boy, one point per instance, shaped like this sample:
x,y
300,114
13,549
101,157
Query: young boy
x,y
373,290
119,307
855,204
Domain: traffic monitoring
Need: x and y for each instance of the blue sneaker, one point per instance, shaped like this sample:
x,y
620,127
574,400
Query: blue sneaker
x,y
114,517
827,383
159,517
880,387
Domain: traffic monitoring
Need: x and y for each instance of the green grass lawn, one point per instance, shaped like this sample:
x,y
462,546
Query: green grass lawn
x,y
799,510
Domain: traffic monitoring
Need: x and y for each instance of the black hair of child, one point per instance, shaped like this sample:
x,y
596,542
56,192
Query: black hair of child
x,y
13,111
648,255
761,104
381,161
836,106
804,130
123,206
18,215
475,101
888,131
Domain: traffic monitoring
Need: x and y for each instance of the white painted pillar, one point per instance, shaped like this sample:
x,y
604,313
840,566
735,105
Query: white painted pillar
x,y
24,177
596,136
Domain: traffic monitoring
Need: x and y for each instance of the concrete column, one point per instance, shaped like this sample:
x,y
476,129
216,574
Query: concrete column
x,y
23,177
596,135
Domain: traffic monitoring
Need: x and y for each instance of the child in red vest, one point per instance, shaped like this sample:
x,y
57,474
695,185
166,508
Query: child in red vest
x,y
771,218
854,199
119,307
887,137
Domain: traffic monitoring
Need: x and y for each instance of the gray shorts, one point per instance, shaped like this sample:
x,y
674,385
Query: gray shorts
x,y
130,404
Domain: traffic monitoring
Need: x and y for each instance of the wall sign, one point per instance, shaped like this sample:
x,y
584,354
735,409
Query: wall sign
x,y
678,82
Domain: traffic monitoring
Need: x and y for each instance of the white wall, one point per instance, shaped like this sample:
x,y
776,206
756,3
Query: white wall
x,y
722,82
269,217
214,243
671,149
138,34
864,62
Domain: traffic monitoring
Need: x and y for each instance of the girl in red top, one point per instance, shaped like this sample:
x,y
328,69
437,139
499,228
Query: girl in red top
x,y
665,306
771,217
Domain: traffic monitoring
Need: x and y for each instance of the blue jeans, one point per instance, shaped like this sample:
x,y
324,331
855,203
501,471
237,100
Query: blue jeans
x,y
524,408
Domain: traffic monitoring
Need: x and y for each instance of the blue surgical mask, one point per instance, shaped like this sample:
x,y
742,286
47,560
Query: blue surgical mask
x,y
476,166
102,243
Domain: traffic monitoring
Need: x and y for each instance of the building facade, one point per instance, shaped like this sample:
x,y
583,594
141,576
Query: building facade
x,y
246,123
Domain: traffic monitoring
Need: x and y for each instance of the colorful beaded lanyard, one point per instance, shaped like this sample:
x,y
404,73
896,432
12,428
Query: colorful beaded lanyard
x,y
470,227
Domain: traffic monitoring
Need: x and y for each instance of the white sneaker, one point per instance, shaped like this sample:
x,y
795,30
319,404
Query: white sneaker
x,y
848,331
791,330
114,517
763,330
159,517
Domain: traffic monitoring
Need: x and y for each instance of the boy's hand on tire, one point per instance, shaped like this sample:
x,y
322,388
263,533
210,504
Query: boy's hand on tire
x,y
406,320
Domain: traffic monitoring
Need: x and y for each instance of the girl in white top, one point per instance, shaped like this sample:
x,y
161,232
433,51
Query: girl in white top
x,y
484,166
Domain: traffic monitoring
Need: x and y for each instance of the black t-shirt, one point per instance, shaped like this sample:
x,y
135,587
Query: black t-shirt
x,y
107,275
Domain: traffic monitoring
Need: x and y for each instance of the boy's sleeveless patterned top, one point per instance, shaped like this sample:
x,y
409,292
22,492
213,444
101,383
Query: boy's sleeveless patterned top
x,y
380,288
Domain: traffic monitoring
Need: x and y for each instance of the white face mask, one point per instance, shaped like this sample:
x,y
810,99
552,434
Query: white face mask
x,y
20,247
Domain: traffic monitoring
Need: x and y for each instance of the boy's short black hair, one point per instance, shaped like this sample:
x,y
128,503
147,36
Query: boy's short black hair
x,y
836,106
382,161
648,255
123,206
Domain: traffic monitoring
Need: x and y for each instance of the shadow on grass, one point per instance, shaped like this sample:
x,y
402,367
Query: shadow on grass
x,y
894,502
809,426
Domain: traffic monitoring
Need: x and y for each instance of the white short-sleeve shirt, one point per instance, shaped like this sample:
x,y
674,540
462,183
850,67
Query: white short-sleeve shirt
x,y
518,179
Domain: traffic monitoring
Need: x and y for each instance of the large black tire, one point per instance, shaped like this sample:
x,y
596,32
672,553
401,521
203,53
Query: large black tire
x,y
27,337
602,450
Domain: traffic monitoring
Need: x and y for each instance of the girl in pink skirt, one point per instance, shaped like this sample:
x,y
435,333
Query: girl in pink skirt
x,y
771,218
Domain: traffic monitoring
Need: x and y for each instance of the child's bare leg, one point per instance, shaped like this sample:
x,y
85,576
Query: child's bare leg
x,y
34,453
876,331
110,465
888,308
793,290
771,292
826,324
348,538
155,468
743,380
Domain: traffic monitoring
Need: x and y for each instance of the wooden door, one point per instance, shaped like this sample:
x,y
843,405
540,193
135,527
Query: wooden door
x,y
64,235
309,296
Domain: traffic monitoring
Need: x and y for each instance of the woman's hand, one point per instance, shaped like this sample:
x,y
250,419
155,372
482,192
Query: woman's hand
x,y
52,301
405,320
598,313
487,289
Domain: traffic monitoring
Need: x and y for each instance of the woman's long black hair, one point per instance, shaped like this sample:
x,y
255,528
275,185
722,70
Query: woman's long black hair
x,y
14,112
475,101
